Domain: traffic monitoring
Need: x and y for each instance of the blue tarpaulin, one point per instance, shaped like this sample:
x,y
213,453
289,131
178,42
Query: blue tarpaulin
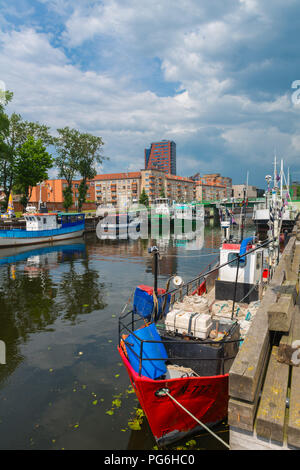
x,y
143,303
244,245
153,354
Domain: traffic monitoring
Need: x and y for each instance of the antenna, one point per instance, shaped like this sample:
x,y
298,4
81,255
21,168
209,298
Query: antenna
x,y
281,178
275,170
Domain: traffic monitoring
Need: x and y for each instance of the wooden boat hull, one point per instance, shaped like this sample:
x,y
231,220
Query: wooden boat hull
x,y
205,397
6,242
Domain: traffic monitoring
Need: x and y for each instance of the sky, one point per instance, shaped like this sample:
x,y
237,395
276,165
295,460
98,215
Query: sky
x,y
221,79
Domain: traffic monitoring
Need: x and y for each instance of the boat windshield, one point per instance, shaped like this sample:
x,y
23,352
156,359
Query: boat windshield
x,y
232,258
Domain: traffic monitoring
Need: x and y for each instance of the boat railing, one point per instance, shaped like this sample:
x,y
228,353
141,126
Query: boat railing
x,y
191,287
12,227
126,330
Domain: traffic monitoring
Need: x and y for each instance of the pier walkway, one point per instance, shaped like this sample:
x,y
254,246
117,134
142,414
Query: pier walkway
x,y
264,380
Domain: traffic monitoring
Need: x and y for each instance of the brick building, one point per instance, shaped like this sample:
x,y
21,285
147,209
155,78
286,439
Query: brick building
x,y
117,189
210,191
238,191
51,191
161,156
215,179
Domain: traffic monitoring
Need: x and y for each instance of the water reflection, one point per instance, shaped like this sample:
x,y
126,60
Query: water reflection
x,y
58,317
32,298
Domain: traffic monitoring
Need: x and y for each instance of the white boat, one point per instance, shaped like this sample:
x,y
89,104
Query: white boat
x,y
117,224
30,209
191,212
44,228
162,206
263,212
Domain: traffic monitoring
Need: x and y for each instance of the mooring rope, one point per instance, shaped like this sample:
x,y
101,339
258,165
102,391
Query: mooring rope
x,y
197,420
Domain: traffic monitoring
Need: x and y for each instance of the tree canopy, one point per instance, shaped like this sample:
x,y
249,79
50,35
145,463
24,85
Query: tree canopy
x,y
31,167
25,158
77,154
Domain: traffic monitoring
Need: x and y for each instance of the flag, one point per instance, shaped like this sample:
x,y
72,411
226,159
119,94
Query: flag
x,y
10,207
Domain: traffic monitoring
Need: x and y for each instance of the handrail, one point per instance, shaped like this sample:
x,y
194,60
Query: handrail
x,y
123,327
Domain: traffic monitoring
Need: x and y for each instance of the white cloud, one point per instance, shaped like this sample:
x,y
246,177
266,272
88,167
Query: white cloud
x,y
223,57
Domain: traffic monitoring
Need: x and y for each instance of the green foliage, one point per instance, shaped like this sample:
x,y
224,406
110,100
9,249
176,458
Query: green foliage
x,y
14,132
78,154
31,167
144,199
68,197
162,193
82,190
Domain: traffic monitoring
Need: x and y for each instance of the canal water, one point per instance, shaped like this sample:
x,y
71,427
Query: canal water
x,y
63,385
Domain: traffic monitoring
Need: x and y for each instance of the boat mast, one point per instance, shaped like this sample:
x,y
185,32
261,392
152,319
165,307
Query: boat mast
x,y
281,179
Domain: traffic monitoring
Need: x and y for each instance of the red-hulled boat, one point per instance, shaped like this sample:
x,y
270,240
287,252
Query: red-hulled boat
x,y
205,397
178,356
191,370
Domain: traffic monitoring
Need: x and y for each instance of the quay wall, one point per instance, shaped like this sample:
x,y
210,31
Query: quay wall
x,y
259,415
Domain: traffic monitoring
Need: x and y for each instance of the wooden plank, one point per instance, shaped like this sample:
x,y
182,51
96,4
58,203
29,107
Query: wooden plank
x,y
248,365
272,408
293,429
280,314
286,349
242,414
245,440
290,287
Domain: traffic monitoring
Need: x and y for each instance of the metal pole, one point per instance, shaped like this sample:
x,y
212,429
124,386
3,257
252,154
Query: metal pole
x,y
235,286
155,271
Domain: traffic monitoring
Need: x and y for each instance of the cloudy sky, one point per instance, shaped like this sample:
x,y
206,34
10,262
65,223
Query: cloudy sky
x,y
215,76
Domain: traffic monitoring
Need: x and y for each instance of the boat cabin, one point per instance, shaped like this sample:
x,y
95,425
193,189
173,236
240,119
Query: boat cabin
x,y
52,221
162,201
249,276
250,267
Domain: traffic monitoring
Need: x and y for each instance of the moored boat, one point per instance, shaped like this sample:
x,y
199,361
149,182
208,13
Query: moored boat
x,y
118,224
44,228
178,345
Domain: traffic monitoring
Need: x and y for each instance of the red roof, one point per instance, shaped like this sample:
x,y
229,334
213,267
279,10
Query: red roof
x,y
119,176
179,178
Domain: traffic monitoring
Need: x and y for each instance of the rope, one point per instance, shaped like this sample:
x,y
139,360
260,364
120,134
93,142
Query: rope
x,y
197,420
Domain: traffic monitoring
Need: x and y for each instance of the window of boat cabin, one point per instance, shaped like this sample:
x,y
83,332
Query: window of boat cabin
x,y
258,261
233,264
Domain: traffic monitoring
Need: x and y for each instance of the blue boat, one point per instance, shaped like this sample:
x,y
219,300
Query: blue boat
x,y
44,228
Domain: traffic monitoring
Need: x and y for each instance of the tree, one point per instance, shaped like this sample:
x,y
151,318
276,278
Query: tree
x,y
162,193
5,97
77,155
15,133
31,167
91,155
144,199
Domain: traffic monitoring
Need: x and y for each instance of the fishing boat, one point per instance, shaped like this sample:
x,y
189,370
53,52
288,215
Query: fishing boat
x,y
262,212
178,344
186,214
13,255
118,224
161,212
44,228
